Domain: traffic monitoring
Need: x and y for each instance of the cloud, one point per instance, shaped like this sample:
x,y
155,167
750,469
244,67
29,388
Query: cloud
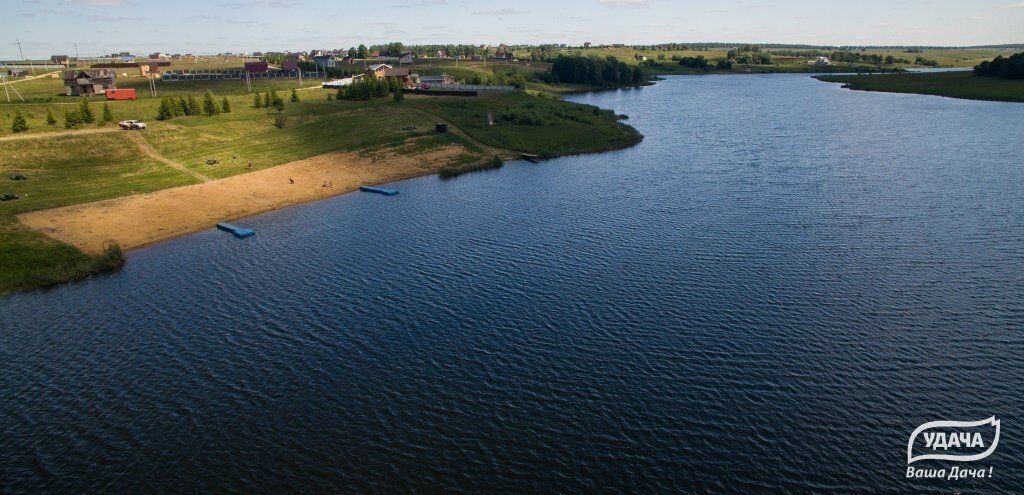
x,y
109,18
421,3
625,3
499,13
1018,5
224,20
99,3
277,4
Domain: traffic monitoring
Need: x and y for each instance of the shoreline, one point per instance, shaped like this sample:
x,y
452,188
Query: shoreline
x,y
137,221
962,85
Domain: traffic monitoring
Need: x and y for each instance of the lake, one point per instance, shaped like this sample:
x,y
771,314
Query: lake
x,y
767,295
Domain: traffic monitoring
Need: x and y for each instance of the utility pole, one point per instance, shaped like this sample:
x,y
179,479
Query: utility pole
x,y
31,66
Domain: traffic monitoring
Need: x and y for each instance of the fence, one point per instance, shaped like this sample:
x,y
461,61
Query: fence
x,y
472,87
217,75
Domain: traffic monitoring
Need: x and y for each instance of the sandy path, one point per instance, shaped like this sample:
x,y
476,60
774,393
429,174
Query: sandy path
x,y
151,152
135,221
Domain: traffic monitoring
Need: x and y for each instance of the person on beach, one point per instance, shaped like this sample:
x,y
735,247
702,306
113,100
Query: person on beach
x,y
291,180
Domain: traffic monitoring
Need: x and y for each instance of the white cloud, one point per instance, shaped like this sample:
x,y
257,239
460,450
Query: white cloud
x,y
625,3
99,3
1018,5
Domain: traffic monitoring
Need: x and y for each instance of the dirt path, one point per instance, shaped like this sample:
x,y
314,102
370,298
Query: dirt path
x,y
151,152
135,221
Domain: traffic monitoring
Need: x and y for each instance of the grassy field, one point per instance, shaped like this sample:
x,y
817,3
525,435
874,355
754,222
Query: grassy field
x,y
952,84
100,162
62,171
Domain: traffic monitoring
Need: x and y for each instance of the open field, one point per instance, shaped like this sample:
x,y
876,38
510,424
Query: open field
x,y
315,139
952,84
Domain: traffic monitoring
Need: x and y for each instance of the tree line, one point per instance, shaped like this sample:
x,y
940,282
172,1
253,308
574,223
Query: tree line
x,y
609,71
1011,67
171,107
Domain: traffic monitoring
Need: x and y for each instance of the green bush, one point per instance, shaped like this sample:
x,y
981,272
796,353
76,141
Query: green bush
x,y
19,124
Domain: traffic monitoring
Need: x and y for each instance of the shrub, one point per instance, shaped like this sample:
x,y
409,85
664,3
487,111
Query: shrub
x,y
210,107
85,113
19,124
72,119
280,121
225,106
107,115
50,119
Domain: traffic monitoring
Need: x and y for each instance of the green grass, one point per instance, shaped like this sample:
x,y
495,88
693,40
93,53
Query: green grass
x,y
558,127
64,171
953,84
457,169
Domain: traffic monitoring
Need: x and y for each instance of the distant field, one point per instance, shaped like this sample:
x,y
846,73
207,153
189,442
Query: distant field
x,y
782,63
952,84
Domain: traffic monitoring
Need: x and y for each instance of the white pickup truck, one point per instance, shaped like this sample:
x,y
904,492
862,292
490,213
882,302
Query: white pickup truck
x,y
131,124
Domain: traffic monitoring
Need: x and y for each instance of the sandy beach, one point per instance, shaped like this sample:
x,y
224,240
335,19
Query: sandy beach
x,y
135,221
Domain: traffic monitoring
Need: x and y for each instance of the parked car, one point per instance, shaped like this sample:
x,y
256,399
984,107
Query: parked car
x,y
131,124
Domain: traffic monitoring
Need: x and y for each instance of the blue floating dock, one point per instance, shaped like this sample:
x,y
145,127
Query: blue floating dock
x,y
238,232
379,190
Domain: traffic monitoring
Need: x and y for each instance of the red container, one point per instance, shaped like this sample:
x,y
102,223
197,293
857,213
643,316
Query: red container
x,y
120,94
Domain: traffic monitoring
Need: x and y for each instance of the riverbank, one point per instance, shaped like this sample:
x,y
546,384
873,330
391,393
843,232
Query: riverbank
x,y
90,188
959,84
135,221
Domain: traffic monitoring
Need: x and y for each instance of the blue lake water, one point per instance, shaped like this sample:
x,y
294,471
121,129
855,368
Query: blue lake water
x,y
766,296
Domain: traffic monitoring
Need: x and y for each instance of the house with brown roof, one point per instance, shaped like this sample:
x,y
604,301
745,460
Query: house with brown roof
x,y
381,71
88,82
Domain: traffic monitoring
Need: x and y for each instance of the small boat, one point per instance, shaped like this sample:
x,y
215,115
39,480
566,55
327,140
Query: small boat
x,y
379,190
235,230
531,158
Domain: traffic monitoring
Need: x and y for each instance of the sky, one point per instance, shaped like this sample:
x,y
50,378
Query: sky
x,y
48,27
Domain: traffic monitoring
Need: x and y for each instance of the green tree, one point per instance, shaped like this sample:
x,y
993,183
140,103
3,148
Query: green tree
x,y
107,116
193,106
85,112
257,102
266,100
166,110
280,121
210,107
362,52
72,119
50,119
398,95
225,106
295,96
19,124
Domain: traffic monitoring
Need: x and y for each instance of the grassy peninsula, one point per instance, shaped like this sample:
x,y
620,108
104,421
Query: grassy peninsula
x,y
960,84
94,161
